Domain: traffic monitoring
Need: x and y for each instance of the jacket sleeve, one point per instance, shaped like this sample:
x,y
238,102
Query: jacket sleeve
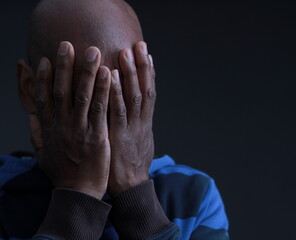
x,y
73,215
137,214
211,221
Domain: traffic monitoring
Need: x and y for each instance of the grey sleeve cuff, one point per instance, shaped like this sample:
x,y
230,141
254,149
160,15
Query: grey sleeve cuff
x,y
137,213
73,215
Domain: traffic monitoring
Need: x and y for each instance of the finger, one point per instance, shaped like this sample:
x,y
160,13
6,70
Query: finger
x,y
146,76
85,88
63,80
99,105
36,132
153,70
131,90
118,117
44,100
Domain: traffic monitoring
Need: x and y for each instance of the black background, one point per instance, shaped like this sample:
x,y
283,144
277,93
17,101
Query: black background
x,y
226,100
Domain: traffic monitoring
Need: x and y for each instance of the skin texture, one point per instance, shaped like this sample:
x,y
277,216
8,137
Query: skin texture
x,y
110,25
131,115
68,95
76,148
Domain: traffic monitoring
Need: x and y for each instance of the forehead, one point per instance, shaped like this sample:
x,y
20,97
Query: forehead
x,y
108,25
109,39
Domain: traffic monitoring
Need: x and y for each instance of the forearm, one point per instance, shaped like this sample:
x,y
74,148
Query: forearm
x,y
137,214
73,215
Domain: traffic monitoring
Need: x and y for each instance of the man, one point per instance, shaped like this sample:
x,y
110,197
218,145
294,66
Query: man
x,y
91,108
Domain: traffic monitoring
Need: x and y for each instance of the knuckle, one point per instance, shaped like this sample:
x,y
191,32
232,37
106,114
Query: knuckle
x,y
101,90
41,98
137,100
97,107
89,71
145,65
151,95
117,91
40,101
58,93
42,78
121,111
62,64
81,98
132,72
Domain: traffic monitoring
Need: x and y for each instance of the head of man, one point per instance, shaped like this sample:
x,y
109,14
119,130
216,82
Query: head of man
x,y
110,25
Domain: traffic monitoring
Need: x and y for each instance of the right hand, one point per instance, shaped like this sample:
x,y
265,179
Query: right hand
x,y
76,149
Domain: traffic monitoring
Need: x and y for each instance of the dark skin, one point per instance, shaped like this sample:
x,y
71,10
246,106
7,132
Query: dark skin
x,y
78,148
79,152
131,116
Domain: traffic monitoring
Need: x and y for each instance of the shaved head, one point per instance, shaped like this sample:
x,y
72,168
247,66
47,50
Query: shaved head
x,y
110,25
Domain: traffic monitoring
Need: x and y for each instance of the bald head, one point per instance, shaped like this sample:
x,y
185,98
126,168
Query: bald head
x,y
111,25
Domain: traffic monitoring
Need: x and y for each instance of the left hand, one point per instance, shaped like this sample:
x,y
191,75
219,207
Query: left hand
x,y
76,148
131,116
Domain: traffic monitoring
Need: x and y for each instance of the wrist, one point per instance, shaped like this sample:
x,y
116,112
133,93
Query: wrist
x,y
86,189
91,192
115,188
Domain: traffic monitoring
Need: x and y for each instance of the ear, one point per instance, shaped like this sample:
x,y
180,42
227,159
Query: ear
x,y
26,86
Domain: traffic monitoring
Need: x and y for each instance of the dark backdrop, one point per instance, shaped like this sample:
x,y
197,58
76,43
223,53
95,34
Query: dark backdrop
x,y
226,100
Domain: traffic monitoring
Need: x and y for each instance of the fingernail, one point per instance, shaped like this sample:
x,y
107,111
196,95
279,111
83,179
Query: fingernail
x,y
151,60
115,75
63,49
43,64
103,73
129,55
92,54
144,48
